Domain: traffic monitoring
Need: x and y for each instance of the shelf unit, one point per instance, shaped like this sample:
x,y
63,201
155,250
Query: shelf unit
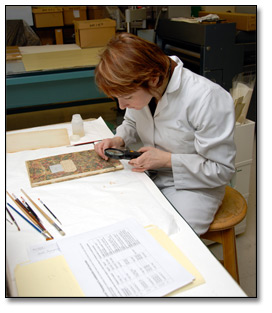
x,y
244,140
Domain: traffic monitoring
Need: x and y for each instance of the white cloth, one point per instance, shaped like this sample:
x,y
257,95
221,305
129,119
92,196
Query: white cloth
x,y
194,120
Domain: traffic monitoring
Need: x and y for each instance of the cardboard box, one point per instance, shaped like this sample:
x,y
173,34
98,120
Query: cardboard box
x,y
47,16
74,13
58,36
13,53
218,8
241,179
243,21
94,33
97,12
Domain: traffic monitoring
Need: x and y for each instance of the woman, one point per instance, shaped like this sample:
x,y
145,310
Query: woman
x,y
184,121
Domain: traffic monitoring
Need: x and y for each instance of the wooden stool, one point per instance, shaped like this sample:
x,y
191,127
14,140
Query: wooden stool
x,y
231,212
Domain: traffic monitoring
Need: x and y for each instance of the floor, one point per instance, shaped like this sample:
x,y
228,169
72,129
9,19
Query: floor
x,y
246,242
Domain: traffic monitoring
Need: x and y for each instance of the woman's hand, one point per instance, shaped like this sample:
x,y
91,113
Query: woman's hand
x,y
152,158
115,142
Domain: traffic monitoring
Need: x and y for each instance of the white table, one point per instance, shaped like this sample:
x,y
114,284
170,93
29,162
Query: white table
x,y
88,203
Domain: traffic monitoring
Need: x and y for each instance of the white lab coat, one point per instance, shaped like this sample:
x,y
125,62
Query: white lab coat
x,y
194,120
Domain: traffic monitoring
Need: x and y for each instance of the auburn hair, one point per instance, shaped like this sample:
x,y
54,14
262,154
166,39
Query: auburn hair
x,y
128,63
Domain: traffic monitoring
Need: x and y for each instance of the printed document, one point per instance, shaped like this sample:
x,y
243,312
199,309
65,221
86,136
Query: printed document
x,y
122,260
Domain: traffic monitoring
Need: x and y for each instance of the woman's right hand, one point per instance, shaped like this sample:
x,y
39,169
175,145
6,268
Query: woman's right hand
x,y
115,142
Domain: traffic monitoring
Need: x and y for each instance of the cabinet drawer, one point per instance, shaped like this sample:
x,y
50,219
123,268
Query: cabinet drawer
x,y
244,139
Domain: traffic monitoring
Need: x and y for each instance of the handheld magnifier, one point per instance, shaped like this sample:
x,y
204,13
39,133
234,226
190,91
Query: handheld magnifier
x,y
121,154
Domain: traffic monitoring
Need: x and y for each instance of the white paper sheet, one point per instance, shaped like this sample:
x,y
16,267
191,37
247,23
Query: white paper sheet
x,y
97,195
122,260
40,252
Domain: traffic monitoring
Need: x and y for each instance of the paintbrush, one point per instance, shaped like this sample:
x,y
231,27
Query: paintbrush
x,y
30,209
44,214
30,216
49,210
24,209
84,143
13,219
38,229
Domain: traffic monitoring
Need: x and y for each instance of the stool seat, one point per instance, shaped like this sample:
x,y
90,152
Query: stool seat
x,y
231,212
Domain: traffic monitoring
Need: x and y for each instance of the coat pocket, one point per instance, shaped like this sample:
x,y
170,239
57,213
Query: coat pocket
x,y
180,141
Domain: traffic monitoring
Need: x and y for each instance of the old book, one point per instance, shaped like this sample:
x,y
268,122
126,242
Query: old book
x,y
68,166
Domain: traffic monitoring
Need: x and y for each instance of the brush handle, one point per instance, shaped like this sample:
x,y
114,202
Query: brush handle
x,y
24,218
24,210
38,229
44,214
39,209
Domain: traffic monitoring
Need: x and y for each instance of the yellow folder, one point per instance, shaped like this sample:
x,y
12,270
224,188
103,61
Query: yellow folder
x,y
172,249
47,278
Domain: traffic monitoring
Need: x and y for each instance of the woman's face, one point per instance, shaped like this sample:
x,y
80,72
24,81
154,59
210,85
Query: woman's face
x,y
136,100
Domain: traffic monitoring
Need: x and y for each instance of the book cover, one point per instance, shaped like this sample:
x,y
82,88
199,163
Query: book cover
x,y
68,166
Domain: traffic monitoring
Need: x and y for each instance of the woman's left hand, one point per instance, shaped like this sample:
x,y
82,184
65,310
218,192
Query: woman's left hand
x,y
152,158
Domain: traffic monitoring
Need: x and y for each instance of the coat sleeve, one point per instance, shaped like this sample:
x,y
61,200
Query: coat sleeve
x,y
213,163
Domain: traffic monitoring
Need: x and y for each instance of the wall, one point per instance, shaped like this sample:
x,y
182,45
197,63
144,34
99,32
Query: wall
x,y
19,12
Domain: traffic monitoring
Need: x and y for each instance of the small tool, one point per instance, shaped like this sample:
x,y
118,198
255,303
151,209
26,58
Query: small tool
x,y
122,154
49,210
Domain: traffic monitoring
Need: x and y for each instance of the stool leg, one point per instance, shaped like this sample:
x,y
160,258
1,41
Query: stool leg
x,y
229,252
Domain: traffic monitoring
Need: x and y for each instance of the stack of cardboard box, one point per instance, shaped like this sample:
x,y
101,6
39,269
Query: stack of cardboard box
x,y
95,31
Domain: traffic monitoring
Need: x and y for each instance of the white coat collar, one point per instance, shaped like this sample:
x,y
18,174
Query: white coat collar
x,y
175,80
173,85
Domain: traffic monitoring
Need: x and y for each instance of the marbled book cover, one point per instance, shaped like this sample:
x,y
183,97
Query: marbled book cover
x,y
68,166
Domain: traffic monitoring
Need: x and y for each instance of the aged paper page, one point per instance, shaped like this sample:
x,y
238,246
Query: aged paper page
x,y
37,139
